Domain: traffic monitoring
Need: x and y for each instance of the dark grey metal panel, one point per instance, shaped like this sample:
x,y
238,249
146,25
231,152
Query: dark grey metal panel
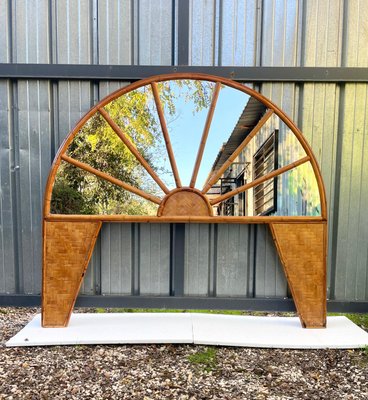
x,y
8,274
72,41
33,122
154,258
197,259
115,32
269,279
322,38
231,260
153,34
83,72
92,280
30,31
204,26
189,303
280,39
107,87
182,9
5,17
116,258
238,32
352,232
74,99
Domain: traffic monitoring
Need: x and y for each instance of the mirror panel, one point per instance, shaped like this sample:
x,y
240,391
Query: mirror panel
x,y
123,159
231,114
79,192
186,104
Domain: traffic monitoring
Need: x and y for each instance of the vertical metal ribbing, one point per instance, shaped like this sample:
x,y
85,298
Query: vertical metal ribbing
x,y
251,262
212,270
259,33
135,260
15,184
339,143
14,163
254,266
177,261
132,27
136,34
173,31
54,142
183,32
219,56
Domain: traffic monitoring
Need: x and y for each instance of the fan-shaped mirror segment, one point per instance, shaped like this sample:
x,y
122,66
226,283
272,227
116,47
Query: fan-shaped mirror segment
x,y
185,147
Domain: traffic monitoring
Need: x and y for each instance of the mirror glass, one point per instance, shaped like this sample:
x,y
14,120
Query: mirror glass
x,y
144,144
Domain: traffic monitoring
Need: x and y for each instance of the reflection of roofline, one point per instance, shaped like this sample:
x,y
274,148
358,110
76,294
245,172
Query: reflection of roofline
x,y
252,113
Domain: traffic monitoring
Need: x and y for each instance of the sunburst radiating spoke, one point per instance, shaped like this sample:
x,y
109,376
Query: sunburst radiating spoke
x,y
165,134
133,149
217,175
111,179
205,135
260,180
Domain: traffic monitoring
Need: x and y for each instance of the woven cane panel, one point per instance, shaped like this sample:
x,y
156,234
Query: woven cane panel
x,y
302,251
185,203
67,249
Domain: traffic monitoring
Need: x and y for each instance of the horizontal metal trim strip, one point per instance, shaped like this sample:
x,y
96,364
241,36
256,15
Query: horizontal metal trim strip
x,y
205,303
136,72
186,219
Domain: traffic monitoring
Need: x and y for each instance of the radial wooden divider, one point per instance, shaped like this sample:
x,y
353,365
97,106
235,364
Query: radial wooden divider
x,y
301,241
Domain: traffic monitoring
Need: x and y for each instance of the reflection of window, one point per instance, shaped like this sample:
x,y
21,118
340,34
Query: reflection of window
x,y
241,196
265,161
235,205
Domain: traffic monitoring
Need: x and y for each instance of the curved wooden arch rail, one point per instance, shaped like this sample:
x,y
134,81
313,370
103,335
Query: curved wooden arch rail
x,y
68,240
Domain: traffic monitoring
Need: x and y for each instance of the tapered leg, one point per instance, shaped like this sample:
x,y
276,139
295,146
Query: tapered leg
x,y
302,250
67,249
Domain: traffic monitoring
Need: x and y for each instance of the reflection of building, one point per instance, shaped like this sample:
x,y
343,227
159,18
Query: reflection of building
x,y
253,161
262,143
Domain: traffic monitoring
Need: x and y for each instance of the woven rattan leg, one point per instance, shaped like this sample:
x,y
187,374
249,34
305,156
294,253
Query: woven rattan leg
x,y
302,250
67,249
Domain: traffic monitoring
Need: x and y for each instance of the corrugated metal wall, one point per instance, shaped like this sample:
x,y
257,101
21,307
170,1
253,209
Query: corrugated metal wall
x,y
35,116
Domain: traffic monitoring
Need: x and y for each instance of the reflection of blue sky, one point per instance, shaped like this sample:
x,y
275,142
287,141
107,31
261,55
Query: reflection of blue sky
x,y
186,130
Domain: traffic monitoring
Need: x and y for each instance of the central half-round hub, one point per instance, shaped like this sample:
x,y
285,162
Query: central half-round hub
x,y
185,202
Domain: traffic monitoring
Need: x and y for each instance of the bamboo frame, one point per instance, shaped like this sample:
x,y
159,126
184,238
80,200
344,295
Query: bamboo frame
x,y
205,135
301,228
159,78
165,133
184,219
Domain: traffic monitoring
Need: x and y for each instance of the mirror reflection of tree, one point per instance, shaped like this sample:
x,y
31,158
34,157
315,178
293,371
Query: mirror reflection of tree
x,y
77,191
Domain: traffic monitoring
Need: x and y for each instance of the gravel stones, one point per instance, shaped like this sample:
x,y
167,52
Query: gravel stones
x,y
184,372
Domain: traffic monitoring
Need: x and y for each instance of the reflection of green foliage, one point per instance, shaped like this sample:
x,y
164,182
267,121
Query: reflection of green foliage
x,y
199,92
67,200
302,180
98,146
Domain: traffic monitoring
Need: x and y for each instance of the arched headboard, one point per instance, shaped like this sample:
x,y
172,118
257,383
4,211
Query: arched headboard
x,y
120,164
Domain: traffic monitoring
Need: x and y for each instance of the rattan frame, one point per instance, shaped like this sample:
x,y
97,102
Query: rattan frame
x,y
68,240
